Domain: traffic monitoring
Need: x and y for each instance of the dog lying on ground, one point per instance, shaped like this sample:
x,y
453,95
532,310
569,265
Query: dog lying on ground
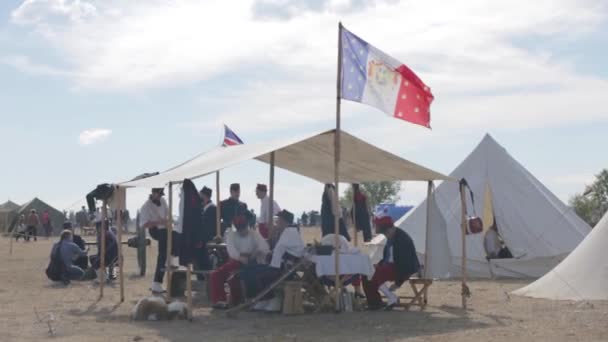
x,y
156,309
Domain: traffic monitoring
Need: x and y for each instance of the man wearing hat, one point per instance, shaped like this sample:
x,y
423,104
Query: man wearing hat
x,y
153,216
264,222
232,207
245,247
289,242
399,262
206,232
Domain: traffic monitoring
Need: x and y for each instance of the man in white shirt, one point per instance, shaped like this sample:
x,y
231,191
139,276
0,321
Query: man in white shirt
x,y
153,216
290,242
264,222
244,246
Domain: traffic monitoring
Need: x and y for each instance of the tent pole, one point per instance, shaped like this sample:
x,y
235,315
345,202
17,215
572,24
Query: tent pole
x,y
270,213
189,290
12,234
354,216
429,193
120,260
102,252
169,241
338,284
463,205
218,228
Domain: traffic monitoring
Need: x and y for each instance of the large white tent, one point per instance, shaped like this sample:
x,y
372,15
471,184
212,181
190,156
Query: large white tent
x,y
583,275
536,226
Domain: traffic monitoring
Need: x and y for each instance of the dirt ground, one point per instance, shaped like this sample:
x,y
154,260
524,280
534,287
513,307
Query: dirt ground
x,y
29,303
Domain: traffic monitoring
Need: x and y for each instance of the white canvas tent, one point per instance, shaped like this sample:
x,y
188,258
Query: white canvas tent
x,y
310,155
583,275
536,226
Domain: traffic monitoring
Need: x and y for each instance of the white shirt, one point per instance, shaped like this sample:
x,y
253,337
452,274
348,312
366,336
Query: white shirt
x,y
345,246
289,242
491,242
263,216
252,244
151,212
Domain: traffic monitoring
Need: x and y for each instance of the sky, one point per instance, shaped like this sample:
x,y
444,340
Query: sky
x,y
101,91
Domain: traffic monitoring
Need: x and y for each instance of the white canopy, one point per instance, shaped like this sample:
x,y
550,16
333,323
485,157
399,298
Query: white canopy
x,y
583,275
311,156
535,225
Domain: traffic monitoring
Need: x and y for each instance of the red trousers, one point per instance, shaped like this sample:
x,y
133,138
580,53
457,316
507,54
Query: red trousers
x,y
219,277
263,229
384,272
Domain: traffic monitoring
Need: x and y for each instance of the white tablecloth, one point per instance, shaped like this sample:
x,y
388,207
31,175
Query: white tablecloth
x,y
325,265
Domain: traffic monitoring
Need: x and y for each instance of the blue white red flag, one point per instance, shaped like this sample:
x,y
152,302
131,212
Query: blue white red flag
x,y
230,138
372,77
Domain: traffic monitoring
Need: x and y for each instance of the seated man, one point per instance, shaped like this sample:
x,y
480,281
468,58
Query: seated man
x,y
111,255
398,263
245,247
68,251
82,261
493,244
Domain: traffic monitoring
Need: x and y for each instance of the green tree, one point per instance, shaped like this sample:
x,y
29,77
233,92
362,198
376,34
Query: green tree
x,y
592,204
376,192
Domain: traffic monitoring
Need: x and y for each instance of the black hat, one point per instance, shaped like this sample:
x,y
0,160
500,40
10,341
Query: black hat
x,y
206,191
159,190
235,187
286,215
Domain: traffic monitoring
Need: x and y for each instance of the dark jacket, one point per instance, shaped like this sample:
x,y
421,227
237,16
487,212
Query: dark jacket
x,y
191,222
207,231
328,219
231,208
404,256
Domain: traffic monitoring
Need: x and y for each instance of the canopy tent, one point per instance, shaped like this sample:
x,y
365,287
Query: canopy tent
x,y
311,156
583,275
535,225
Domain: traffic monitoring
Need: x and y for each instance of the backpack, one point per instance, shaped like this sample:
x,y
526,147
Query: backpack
x,y
56,270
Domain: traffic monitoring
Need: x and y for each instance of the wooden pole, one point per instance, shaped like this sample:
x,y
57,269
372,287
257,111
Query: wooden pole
x,y
120,259
169,241
354,214
463,205
189,290
429,194
270,213
12,234
218,223
102,251
337,172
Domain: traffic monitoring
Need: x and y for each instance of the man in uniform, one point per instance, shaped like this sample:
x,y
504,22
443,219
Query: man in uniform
x,y
232,207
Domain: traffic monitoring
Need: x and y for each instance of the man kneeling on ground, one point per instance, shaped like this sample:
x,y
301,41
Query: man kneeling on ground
x,y
68,252
398,263
245,247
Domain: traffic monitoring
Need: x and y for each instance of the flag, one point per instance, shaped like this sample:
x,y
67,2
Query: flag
x,y
372,77
230,138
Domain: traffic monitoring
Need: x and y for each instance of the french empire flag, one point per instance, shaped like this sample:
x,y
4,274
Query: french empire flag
x,y
230,138
372,77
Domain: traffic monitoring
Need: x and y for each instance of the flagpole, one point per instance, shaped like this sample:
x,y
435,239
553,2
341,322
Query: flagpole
x,y
338,284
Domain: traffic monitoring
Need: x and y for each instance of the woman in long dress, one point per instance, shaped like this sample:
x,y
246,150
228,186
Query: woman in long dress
x,y
329,209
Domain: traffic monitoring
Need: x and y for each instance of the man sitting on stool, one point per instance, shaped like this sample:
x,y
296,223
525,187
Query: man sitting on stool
x,y
398,263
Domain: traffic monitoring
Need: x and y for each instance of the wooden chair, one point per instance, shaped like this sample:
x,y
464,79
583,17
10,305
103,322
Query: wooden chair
x,y
420,288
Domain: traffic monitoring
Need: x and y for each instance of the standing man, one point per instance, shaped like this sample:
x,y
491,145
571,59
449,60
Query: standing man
x,y
46,224
399,262
265,222
232,207
33,221
205,233
82,218
153,216
361,213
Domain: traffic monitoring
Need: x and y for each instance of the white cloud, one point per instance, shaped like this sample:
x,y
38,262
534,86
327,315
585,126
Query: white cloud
x,y
26,65
93,135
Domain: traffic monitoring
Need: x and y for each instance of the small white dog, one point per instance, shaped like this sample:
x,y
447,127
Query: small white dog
x,y
156,309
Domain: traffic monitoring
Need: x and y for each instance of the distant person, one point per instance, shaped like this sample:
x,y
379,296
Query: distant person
x,y
82,218
206,233
33,221
361,213
329,210
493,244
68,251
265,222
21,228
46,224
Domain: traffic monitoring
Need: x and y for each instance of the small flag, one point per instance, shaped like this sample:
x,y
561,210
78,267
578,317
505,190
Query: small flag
x,y
230,138
372,77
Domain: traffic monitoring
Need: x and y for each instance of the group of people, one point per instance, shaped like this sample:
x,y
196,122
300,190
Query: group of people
x,y
27,227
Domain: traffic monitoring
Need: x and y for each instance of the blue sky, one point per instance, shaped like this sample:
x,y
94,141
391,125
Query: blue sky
x,y
153,81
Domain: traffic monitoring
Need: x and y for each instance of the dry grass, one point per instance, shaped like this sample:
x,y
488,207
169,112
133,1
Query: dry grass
x,y
77,315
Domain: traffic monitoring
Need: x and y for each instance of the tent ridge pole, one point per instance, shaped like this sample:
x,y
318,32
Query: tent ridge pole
x,y
169,229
